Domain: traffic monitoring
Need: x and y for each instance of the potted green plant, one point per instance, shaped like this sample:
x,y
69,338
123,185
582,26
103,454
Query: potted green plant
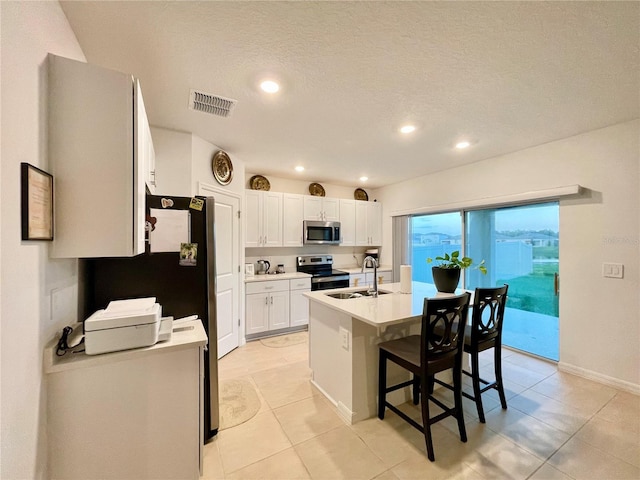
x,y
446,274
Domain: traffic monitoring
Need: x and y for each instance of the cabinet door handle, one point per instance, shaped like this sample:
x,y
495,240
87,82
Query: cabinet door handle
x,y
271,300
266,300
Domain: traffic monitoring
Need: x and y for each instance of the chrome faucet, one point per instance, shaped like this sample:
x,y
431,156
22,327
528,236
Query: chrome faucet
x,y
374,262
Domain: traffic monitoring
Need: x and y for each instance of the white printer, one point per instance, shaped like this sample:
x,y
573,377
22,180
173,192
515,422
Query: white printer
x,y
126,324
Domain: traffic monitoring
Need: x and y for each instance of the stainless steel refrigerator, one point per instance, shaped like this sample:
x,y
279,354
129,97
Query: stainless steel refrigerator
x,y
183,282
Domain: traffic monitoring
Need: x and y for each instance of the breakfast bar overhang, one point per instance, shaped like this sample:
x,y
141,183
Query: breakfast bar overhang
x,y
343,343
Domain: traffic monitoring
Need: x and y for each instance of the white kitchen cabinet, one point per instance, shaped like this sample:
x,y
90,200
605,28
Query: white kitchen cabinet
x,y
263,220
368,223
267,306
299,304
347,222
366,279
384,277
97,150
292,217
257,313
148,152
321,208
357,279
129,414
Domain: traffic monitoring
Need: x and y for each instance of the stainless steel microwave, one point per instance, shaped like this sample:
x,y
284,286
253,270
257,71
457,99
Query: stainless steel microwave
x,y
321,233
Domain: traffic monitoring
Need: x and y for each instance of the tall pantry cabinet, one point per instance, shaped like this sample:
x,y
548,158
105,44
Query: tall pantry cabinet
x,y
100,154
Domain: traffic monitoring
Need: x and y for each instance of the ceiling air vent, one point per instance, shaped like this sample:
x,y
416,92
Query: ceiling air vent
x,y
212,104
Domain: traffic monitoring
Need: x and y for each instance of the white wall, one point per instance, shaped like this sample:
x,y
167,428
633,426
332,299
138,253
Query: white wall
x,y
173,161
203,152
183,160
599,317
39,296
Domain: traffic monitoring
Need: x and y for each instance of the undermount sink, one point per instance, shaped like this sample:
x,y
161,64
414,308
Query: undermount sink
x,y
353,294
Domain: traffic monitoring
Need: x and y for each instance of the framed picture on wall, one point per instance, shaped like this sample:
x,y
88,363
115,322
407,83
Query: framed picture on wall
x,y
36,203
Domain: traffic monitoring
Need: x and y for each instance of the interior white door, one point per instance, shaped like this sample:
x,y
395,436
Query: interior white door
x,y
227,225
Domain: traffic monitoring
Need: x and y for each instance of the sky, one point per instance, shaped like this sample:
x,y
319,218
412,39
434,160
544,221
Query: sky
x,y
529,217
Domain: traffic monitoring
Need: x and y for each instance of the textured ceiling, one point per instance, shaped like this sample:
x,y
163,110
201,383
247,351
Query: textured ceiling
x,y
503,75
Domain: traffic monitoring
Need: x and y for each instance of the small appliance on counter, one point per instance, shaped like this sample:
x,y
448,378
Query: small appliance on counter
x,y
373,253
262,267
126,324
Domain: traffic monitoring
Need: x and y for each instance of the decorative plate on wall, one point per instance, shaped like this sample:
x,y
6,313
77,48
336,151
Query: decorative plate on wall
x,y
316,189
258,182
360,194
222,168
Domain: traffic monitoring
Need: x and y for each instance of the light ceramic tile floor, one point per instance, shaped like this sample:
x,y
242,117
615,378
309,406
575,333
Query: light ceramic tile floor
x,y
557,426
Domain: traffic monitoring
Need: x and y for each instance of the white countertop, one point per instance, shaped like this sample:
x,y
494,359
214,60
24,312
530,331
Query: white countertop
x,y
275,276
387,309
382,268
186,334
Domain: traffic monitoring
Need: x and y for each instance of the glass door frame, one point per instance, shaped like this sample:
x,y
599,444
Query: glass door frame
x,y
463,247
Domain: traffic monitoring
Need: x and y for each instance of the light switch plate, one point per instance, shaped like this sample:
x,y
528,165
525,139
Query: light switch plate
x,y
613,270
344,338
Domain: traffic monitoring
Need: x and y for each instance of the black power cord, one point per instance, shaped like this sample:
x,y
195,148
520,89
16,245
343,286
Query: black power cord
x,y
63,344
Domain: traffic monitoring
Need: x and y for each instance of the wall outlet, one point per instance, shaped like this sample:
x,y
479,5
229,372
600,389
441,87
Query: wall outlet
x,y
344,338
613,270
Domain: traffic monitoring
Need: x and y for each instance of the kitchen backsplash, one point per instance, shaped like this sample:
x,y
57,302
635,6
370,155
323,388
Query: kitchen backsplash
x,y
287,256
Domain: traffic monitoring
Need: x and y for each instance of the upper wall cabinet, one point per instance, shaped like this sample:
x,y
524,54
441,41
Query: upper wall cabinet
x,y
292,218
368,223
321,208
347,222
98,153
147,151
263,221
275,219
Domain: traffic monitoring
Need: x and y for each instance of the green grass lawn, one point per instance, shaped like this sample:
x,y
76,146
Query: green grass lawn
x,y
534,292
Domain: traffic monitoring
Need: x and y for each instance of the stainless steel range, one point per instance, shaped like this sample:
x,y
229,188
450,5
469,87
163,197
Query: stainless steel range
x,y
324,276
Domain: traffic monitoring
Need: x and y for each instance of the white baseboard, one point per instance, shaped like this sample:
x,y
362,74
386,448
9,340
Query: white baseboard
x,y
344,412
600,378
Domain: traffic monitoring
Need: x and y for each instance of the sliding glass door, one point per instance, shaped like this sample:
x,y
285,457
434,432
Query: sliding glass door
x,y
520,248
432,236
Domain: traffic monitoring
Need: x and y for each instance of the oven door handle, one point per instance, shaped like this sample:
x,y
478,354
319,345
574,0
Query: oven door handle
x,y
329,279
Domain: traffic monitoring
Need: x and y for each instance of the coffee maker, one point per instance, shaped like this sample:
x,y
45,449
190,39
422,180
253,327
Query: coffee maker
x,y
373,253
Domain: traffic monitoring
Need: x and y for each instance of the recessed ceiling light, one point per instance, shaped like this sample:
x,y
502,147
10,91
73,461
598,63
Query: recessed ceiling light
x,y
299,168
407,129
269,86
364,179
463,144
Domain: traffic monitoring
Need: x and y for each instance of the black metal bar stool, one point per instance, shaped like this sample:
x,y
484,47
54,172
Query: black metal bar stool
x,y
485,332
425,355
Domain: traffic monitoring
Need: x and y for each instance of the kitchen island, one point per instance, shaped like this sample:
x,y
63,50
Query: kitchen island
x,y
343,339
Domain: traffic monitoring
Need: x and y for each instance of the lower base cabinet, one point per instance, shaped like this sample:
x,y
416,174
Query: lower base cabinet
x,y
366,279
127,415
299,304
267,306
275,305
